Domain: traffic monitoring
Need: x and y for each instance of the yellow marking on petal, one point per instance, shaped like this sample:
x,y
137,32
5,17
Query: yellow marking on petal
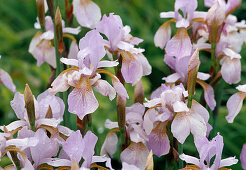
x,y
108,73
70,69
113,131
70,37
11,166
98,167
167,23
198,20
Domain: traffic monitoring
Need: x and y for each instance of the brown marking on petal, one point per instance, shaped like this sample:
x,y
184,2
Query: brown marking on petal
x,y
138,147
113,131
191,167
70,37
94,165
64,168
223,168
167,23
70,69
153,107
49,113
43,166
181,33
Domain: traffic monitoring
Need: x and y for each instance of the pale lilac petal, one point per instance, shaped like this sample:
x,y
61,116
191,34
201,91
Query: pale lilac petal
x,y
172,78
18,105
152,103
243,156
209,3
104,88
189,159
137,134
203,76
47,121
180,127
135,154
198,126
87,13
231,70
71,62
57,105
136,108
120,89
241,88
65,130
73,144
56,162
103,159
208,94
234,105
73,50
109,146
162,35
129,47
126,166
158,141
23,143
228,161
232,54
7,81
131,69
232,5
15,125
46,147
48,35
145,64
60,84
180,45
202,111
180,107
90,141
149,119
81,101
167,14
111,125
71,30
107,64
91,49
112,27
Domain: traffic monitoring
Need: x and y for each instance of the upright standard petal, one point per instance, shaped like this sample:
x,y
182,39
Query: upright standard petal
x,y
180,45
81,101
74,146
73,50
46,147
109,146
87,13
90,140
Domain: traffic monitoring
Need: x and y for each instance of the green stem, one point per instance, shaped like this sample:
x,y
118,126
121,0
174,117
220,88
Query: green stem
x,y
218,97
215,63
180,150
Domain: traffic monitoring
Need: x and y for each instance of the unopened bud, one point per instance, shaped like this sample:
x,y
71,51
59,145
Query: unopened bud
x,y
192,75
50,4
58,26
29,101
41,12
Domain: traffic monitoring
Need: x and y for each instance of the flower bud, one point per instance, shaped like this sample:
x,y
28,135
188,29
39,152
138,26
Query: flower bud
x,y
192,75
58,28
50,4
41,12
30,108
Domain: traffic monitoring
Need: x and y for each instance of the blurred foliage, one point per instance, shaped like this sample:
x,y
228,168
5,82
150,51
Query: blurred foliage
x,y
16,30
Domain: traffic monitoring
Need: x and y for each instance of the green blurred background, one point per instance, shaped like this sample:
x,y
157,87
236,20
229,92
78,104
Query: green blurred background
x,y
16,30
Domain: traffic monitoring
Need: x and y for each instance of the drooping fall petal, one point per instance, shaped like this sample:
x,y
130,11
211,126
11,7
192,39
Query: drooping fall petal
x,y
81,101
